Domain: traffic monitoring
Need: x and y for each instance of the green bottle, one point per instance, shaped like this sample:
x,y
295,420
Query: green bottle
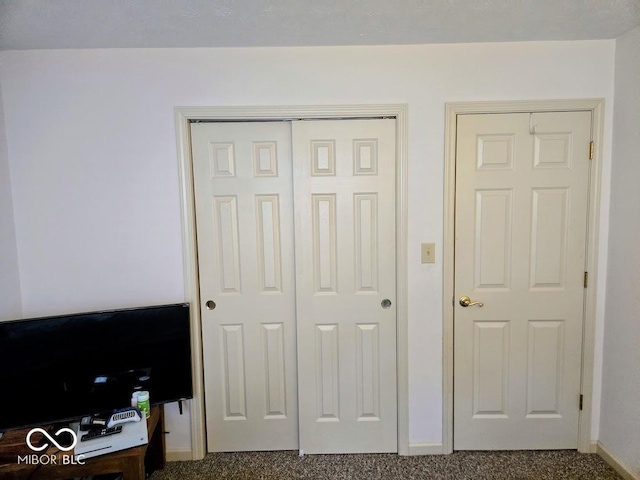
x,y
143,403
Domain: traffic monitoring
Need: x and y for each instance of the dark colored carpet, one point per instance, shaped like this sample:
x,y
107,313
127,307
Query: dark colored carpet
x,y
529,465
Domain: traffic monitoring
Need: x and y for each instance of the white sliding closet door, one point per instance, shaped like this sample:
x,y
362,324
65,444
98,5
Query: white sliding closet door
x,y
344,187
244,216
335,306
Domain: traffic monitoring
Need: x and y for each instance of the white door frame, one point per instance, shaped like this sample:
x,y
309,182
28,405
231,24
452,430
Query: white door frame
x,y
596,107
183,117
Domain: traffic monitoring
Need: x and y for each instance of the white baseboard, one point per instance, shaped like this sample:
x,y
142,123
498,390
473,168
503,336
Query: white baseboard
x,y
593,447
179,456
425,449
623,470
414,449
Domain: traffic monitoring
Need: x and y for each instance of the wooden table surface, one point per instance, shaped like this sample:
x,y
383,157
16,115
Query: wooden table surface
x,y
130,462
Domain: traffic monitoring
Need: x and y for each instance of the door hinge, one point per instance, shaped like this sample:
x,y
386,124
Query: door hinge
x,y
586,279
581,397
591,150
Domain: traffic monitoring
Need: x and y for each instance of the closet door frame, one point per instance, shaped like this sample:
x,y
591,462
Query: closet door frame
x,y
184,116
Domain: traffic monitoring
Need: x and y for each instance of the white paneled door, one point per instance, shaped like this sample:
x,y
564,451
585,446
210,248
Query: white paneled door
x,y
244,217
344,185
521,223
335,306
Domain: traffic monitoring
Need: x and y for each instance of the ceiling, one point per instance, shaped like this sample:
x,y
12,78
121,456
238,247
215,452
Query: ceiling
x,y
35,24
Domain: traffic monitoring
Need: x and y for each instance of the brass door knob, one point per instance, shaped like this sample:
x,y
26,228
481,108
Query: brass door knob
x,y
466,302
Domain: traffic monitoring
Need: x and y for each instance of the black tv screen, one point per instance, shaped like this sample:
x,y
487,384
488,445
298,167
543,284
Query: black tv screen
x,y
65,367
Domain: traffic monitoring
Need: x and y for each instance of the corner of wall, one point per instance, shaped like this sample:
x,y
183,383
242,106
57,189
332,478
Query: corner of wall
x,y
614,462
10,291
618,435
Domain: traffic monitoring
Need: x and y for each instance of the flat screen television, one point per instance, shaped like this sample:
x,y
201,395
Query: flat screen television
x,y
65,367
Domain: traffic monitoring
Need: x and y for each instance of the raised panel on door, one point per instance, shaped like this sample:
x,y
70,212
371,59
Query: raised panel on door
x,y
326,373
344,185
324,243
368,372
492,242
521,218
269,243
545,358
234,378
549,230
366,244
490,369
244,216
274,370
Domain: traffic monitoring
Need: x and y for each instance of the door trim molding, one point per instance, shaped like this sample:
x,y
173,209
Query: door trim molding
x,y
183,117
596,107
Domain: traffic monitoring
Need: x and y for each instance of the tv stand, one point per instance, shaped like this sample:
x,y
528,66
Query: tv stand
x,y
131,462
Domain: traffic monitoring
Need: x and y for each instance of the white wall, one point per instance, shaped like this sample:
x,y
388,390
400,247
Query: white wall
x,y
93,157
10,299
620,418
